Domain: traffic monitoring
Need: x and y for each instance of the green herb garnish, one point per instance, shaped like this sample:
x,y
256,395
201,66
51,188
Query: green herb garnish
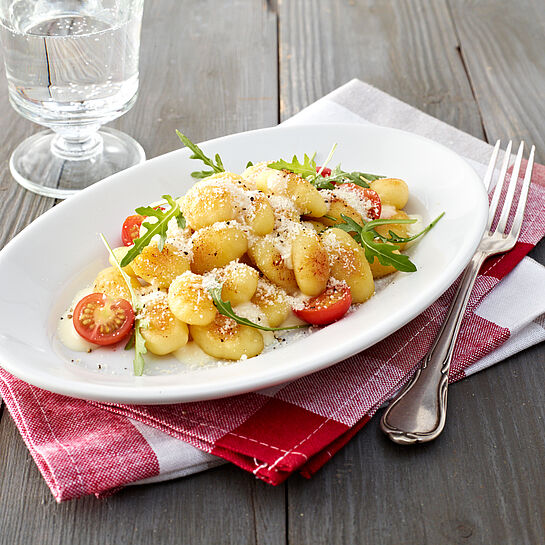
x,y
306,169
136,340
198,153
396,239
386,252
313,174
158,228
225,308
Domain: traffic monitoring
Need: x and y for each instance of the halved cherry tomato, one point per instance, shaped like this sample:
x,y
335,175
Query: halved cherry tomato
x,y
327,307
131,229
102,320
367,194
326,173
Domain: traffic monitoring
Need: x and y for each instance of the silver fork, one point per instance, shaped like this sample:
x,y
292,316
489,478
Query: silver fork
x,y
418,413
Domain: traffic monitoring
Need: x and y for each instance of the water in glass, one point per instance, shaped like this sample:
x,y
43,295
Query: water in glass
x,y
71,65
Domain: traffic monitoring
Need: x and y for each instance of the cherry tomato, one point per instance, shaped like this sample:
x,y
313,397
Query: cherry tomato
x,y
327,307
326,173
102,320
131,229
367,194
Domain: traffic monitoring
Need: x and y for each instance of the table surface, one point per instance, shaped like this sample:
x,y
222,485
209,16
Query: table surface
x,y
212,68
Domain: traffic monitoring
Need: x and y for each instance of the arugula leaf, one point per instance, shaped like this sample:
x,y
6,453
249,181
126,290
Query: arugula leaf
x,y
305,169
359,178
384,252
225,308
249,164
400,240
130,342
198,153
152,229
139,348
136,340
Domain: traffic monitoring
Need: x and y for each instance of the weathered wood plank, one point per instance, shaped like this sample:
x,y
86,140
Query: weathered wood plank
x,y
209,69
405,48
223,506
502,45
478,483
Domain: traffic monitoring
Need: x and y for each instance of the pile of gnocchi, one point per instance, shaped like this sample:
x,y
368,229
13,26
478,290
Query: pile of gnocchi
x,y
238,258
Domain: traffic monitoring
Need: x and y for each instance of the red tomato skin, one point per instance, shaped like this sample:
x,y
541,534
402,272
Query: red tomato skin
x,y
318,312
326,172
131,229
94,335
368,194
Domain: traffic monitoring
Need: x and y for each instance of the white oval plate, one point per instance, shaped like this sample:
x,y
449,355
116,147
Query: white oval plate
x,y
42,268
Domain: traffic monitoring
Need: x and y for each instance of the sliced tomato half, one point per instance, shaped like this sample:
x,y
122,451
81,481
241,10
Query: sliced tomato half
x,y
366,194
328,307
131,229
102,320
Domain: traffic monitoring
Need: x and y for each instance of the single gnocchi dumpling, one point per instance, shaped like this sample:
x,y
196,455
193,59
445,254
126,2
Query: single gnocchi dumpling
x,y
217,245
190,301
310,263
207,203
268,259
160,267
239,283
162,331
225,339
348,262
391,191
272,302
111,282
260,215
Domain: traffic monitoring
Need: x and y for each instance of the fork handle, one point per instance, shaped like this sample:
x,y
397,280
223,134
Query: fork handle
x,y
418,413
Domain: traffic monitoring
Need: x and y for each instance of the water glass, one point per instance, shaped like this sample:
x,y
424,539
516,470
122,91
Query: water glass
x,y
72,66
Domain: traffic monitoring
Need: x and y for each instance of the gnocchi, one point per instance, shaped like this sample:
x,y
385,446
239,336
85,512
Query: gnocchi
x,y
241,254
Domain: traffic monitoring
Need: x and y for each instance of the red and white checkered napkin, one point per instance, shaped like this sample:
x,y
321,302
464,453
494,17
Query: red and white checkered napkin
x,y
92,448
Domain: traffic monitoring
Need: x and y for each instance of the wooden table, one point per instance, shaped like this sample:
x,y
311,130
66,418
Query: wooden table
x,y
212,68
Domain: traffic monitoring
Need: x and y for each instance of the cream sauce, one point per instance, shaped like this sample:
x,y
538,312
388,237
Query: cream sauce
x,y
66,331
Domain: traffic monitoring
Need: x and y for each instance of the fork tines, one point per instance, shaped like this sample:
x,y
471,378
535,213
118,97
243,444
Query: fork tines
x,y
510,192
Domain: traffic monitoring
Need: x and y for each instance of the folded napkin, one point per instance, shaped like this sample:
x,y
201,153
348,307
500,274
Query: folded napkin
x,y
93,448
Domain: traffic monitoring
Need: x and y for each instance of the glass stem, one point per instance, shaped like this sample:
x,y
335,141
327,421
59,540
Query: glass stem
x,y
77,144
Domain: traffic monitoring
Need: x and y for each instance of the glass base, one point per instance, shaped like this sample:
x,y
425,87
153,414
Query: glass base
x,y
36,167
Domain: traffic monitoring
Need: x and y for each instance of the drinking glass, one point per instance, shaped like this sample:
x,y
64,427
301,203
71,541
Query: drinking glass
x,y
72,66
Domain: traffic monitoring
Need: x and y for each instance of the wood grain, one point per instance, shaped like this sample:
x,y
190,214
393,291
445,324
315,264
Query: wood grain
x,y
202,71
406,48
220,506
502,46
478,483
